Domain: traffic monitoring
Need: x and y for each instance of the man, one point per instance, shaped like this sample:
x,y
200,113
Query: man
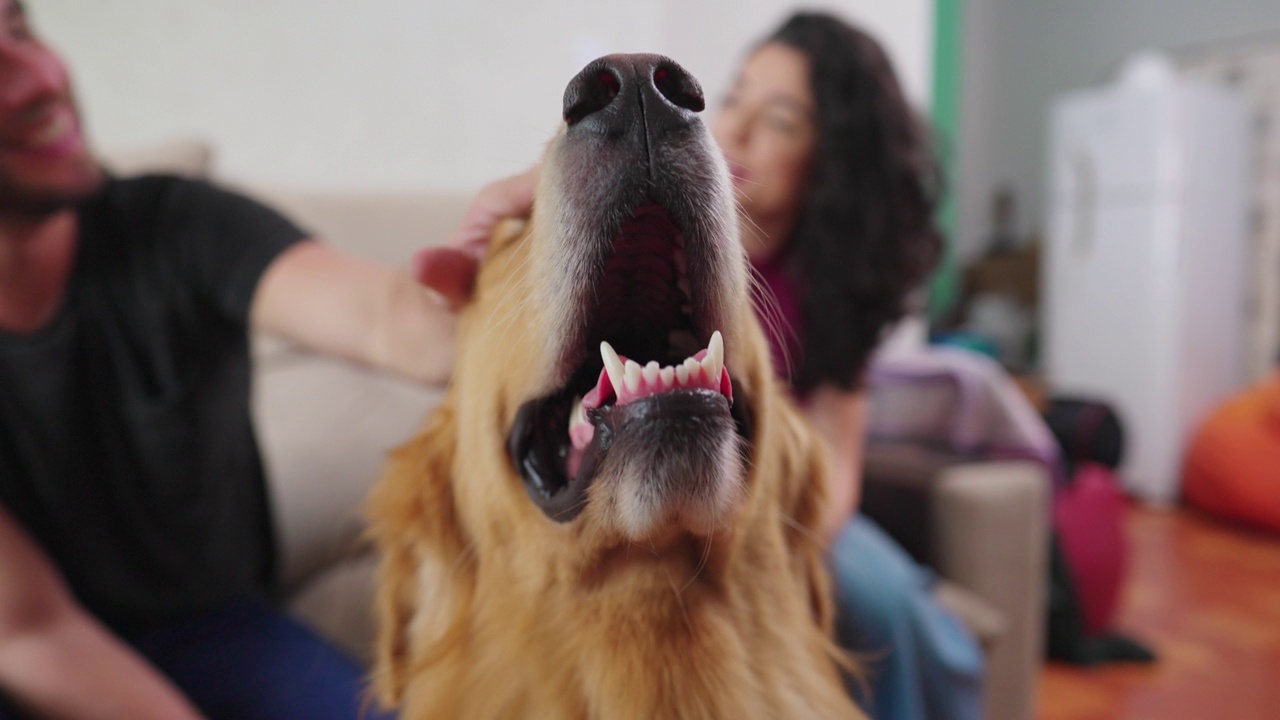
x,y
136,557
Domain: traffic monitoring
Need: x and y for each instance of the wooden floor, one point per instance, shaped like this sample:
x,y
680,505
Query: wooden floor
x,y
1206,597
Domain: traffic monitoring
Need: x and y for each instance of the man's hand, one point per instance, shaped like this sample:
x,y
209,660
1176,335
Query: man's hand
x,y
57,661
451,269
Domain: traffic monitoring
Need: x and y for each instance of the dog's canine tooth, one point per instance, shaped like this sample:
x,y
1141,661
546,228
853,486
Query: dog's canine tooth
x,y
651,372
714,361
613,366
715,348
633,374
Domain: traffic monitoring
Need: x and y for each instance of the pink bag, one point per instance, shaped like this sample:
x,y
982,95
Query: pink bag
x,y
1088,516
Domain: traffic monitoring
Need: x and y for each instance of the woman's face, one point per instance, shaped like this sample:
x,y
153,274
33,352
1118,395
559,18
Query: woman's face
x,y
767,128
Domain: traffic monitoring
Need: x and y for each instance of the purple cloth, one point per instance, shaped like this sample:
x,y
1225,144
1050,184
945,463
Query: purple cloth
x,y
959,400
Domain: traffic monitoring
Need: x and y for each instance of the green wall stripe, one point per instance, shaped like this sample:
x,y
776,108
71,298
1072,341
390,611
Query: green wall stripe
x,y
947,69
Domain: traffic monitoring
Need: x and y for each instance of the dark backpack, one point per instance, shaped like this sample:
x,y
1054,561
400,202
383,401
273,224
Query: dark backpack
x,y
1090,551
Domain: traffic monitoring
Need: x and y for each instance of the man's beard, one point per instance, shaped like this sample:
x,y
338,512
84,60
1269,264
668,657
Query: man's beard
x,y
34,202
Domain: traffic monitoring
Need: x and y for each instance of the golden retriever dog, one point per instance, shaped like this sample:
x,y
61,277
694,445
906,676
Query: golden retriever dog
x,y
612,513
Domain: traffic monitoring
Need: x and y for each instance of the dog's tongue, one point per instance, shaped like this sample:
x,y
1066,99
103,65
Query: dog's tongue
x,y
626,381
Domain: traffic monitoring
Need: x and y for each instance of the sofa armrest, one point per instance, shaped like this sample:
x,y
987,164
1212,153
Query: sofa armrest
x,y
898,483
983,526
990,534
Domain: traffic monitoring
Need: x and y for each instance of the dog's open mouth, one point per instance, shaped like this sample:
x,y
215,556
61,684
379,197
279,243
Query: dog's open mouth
x,y
647,373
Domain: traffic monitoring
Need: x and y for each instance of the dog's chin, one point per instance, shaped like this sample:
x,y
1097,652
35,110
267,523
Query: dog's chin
x,y
670,461
675,465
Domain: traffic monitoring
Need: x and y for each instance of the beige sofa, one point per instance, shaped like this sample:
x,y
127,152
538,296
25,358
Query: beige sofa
x,y
326,426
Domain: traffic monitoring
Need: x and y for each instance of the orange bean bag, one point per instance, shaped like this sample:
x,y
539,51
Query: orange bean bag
x,y
1232,469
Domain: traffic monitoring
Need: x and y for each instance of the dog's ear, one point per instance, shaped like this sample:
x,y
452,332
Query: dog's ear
x,y
423,583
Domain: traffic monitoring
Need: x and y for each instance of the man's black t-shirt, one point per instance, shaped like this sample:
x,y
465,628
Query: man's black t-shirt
x,y
126,446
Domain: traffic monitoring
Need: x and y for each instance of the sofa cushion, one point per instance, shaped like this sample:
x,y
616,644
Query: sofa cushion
x,y
338,603
325,428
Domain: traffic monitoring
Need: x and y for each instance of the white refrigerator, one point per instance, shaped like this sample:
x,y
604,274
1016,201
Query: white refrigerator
x,y
1144,299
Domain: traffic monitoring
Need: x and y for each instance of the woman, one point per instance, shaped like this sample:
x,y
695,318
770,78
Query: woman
x,y
838,188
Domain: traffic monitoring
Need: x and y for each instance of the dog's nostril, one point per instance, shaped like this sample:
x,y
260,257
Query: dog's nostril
x,y
679,87
590,92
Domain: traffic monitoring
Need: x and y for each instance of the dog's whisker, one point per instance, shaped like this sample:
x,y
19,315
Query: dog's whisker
x,y
508,321
679,593
504,324
653,549
702,564
770,313
754,233
513,312
798,527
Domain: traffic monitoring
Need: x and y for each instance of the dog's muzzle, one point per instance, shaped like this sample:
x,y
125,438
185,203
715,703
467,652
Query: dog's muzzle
x,y
644,229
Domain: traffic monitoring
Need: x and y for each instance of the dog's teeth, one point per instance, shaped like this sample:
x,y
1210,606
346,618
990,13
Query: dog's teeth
x,y
692,368
714,361
633,374
651,372
668,375
682,373
613,366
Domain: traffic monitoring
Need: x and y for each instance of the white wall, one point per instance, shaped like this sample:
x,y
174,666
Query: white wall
x,y
1019,54
394,93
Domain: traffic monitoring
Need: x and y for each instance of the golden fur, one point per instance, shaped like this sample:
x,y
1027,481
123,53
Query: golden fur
x,y
489,610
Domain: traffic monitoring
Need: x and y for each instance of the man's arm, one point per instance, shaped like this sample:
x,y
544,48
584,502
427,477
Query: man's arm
x,y
840,417
355,309
344,306
56,661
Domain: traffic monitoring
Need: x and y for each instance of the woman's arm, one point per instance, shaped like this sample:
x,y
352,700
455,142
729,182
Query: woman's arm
x,y
840,417
56,661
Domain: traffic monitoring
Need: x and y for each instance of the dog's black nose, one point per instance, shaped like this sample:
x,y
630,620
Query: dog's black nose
x,y
619,94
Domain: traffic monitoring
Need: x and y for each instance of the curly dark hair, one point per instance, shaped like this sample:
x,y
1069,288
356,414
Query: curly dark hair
x,y
865,237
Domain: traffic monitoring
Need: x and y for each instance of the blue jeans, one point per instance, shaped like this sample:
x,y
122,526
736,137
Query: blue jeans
x,y
250,661
922,664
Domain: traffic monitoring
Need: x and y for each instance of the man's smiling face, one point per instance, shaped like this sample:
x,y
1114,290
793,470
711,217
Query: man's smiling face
x,y
45,163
